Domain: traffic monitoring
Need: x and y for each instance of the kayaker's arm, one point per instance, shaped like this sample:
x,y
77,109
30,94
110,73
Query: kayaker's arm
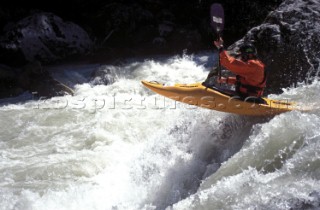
x,y
237,66
230,62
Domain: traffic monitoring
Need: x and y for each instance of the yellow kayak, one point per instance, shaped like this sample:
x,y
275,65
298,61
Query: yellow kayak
x,y
213,98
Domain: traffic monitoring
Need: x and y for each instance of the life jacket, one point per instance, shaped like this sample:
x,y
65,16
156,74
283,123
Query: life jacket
x,y
251,75
251,90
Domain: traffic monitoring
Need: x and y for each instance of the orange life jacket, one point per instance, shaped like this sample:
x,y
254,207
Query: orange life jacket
x,y
251,75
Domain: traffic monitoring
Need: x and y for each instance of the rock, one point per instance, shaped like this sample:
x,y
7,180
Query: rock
x,y
8,83
48,87
104,75
42,37
144,27
288,43
122,25
7,73
33,78
37,80
185,39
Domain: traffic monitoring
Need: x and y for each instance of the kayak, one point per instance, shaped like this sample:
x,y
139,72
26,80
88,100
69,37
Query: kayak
x,y
213,98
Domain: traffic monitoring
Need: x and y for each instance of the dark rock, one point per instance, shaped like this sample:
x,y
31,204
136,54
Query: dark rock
x,y
8,83
104,75
42,37
31,78
48,87
288,43
185,39
37,80
144,26
7,73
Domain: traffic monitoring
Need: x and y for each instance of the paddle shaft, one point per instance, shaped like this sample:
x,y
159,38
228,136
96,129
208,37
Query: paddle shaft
x,y
217,23
219,63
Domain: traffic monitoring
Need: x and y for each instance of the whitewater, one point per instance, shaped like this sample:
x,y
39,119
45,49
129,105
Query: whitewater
x,y
121,146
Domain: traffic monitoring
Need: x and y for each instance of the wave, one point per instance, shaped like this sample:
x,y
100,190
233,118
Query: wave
x,y
119,146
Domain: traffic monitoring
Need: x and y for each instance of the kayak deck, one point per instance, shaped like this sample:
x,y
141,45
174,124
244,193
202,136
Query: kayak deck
x,y
211,98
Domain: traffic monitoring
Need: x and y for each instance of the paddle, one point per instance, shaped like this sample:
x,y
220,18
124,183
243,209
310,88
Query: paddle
x,y
217,23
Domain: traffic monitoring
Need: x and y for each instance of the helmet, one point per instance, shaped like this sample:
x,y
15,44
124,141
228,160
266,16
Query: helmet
x,y
247,49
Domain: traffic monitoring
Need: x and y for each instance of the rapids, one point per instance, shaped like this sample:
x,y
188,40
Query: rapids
x,y
120,146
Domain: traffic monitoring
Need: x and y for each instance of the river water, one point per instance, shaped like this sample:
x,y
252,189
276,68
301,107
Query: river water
x,y
120,146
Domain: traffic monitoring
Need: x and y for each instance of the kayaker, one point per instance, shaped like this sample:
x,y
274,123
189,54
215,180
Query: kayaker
x,y
250,79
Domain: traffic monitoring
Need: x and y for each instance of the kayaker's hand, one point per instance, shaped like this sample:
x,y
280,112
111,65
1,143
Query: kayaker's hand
x,y
219,43
222,80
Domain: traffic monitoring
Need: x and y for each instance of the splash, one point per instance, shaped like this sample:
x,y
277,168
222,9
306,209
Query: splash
x,y
118,146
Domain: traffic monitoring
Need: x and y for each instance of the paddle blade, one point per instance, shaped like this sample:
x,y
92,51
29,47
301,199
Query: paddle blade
x,y
217,17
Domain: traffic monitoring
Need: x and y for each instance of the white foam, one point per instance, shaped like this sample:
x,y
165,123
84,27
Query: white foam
x,y
122,147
